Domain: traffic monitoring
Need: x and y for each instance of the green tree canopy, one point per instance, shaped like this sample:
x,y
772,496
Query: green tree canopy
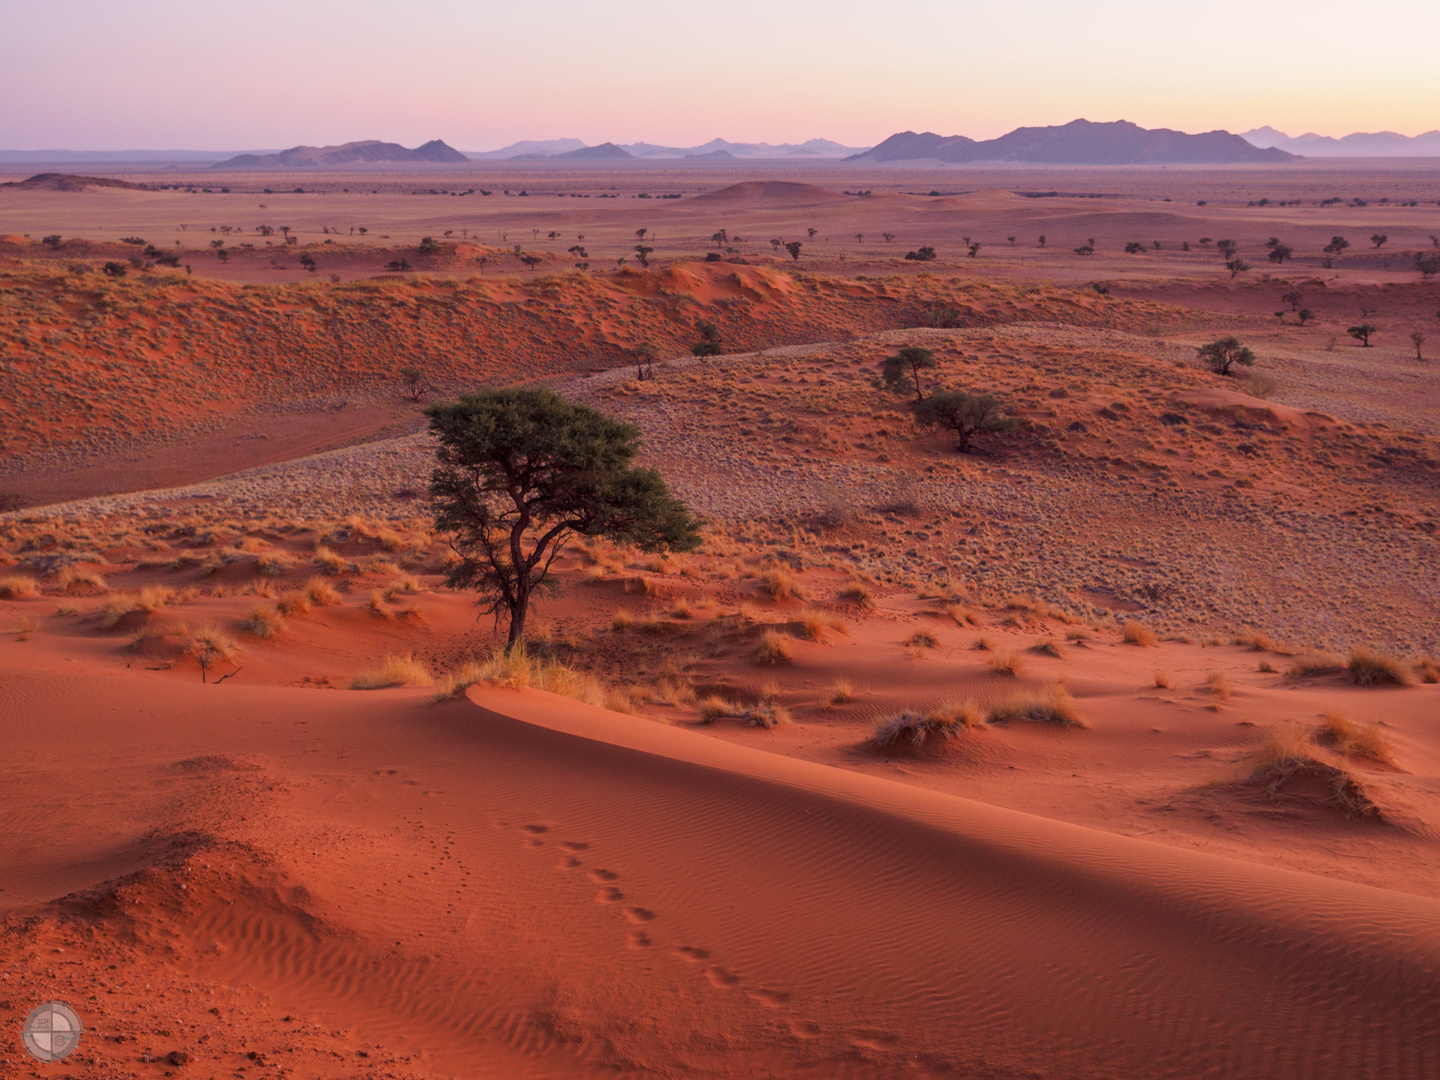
x,y
520,472
904,367
1224,353
967,415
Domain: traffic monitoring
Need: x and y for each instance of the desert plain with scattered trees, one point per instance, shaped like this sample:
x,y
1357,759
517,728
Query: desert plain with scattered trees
x,y
524,620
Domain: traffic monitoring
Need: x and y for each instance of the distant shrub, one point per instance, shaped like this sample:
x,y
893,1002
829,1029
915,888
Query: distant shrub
x,y
917,728
263,622
924,254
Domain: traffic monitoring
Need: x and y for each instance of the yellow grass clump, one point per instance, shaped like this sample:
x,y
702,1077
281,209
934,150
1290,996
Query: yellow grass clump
x,y
622,620
779,584
1137,633
1218,683
842,691
263,621
1370,668
1315,664
1051,705
1006,663
294,602
74,575
1354,739
766,714
916,728
517,669
773,648
1162,680
813,625
1288,752
329,561
321,592
393,671
858,592
274,563
18,587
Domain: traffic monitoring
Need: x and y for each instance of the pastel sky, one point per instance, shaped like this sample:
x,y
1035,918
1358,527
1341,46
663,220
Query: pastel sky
x,y
244,74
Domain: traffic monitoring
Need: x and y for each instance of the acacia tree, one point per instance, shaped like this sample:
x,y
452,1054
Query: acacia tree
x,y
645,355
905,367
413,383
520,473
1361,333
793,247
1224,353
1279,253
1236,266
967,415
1378,239
709,343
1417,339
1336,247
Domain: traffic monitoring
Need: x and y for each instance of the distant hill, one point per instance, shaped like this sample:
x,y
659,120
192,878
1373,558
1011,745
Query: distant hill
x,y
714,150
1080,142
1360,144
604,152
369,152
65,182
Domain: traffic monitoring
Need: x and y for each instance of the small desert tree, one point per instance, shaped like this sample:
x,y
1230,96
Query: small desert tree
x,y
1335,248
1378,239
709,343
413,383
1226,248
793,247
1428,265
1236,266
1293,298
1361,333
645,356
1417,339
1224,353
904,367
643,252
967,415
520,473
1279,253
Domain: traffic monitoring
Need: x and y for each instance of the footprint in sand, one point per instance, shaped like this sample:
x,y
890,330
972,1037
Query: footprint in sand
x,y
570,862
604,875
773,999
574,845
693,954
610,895
536,830
638,939
639,914
805,1029
718,976
875,1040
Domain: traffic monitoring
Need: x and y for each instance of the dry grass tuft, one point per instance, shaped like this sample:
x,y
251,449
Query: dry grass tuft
x,y
773,648
274,563
1007,663
841,692
961,614
622,620
1370,668
1354,739
1426,669
294,602
923,640
329,561
18,587
779,584
1047,647
1078,637
393,671
1137,633
984,644
263,622
766,714
917,728
813,625
1052,705
1316,664
1162,680
74,575
1288,755
1218,683
858,592
321,593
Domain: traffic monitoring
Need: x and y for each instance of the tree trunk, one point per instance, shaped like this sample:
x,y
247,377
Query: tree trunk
x,y
517,619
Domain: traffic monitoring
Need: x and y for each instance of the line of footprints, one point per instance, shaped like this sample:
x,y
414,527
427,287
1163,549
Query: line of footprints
x,y
638,938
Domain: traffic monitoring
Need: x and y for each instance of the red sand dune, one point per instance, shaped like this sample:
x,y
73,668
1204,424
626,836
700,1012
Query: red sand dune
x,y
519,884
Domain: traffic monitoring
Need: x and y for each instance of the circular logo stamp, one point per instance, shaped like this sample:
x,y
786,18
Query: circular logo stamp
x,y
52,1031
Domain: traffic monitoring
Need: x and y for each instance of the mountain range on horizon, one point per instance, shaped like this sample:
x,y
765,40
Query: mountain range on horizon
x,y
1358,144
1078,142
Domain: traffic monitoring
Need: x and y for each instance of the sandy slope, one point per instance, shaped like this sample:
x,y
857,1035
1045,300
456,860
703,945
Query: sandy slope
x,y
518,884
